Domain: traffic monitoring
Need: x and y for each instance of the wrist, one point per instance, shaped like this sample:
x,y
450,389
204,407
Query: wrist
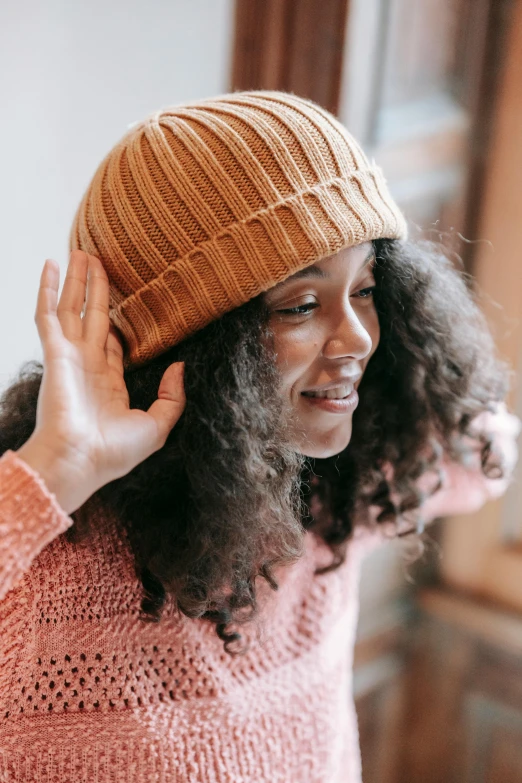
x,y
51,466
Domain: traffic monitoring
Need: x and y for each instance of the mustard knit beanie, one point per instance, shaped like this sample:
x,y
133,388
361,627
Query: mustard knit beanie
x,y
203,206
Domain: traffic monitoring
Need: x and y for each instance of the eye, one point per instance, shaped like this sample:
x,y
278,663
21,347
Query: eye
x,y
306,309
303,309
366,293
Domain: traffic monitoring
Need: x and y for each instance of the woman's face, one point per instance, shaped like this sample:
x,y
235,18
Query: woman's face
x,y
325,328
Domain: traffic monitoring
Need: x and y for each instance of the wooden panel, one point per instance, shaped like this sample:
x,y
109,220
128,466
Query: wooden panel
x,y
480,89
493,733
487,622
379,689
380,717
456,714
416,108
475,558
294,45
439,698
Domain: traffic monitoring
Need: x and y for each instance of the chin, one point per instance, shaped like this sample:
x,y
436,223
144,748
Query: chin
x,y
326,446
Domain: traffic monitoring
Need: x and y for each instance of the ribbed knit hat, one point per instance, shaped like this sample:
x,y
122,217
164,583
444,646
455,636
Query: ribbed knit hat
x,y
203,206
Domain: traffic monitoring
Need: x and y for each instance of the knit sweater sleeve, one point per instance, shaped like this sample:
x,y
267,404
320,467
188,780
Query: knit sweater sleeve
x,y
30,518
466,488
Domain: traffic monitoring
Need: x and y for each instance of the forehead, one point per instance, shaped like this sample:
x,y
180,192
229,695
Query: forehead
x,y
357,257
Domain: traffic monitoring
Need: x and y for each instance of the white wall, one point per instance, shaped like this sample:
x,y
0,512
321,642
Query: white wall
x,y
74,75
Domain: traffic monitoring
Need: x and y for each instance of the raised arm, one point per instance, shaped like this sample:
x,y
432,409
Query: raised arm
x,y
466,489
86,434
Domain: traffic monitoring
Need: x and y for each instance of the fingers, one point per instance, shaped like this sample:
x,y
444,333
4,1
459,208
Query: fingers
x,y
73,295
96,318
85,291
171,401
114,350
515,425
499,421
45,316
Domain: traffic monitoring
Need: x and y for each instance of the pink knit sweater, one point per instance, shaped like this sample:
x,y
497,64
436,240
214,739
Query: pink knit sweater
x,y
89,692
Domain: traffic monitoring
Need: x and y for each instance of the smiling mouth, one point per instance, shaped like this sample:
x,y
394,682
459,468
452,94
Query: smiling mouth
x,y
320,402
338,393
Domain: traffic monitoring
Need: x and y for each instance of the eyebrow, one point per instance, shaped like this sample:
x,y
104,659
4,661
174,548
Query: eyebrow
x,y
317,272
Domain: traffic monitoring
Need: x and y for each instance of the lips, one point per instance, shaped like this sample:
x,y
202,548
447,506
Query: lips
x,y
334,393
346,405
340,387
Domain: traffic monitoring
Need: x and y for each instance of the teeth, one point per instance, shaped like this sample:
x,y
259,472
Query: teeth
x,y
332,394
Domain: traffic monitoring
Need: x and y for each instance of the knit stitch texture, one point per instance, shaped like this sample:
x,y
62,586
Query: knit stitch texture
x,y
89,692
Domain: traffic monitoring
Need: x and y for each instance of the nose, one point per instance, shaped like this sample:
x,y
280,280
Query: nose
x,y
348,337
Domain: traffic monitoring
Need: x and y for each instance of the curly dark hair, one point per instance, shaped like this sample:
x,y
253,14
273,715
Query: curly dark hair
x,y
227,500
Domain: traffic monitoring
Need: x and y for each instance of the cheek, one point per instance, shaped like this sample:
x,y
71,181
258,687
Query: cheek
x,y
295,352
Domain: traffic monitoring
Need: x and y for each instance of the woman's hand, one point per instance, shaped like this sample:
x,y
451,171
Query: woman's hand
x,y
504,428
86,435
465,489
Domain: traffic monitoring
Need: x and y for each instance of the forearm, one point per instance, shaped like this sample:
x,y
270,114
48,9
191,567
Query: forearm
x,y
465,489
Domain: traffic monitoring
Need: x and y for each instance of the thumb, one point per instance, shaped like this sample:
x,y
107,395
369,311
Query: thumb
x,y
170,404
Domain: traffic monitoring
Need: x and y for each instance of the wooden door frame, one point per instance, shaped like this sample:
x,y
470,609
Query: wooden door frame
x,y
483,553
292,45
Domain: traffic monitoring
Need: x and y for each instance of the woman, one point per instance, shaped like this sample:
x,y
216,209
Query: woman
x,y
260,380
